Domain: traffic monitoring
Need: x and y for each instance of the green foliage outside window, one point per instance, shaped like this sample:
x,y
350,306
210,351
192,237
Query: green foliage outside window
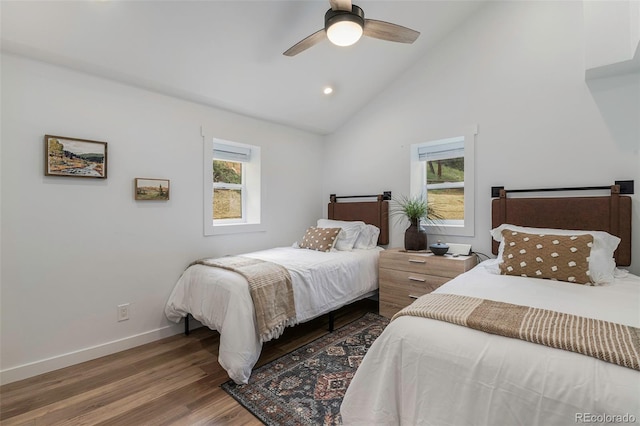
x,y
451,170
227,171
448,203
227,202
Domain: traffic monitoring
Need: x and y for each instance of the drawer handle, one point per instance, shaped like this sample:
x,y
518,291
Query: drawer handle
x,y
411,296
417,279
416,261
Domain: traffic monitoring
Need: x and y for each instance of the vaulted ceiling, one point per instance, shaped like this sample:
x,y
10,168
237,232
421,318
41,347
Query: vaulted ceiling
x,y
228,54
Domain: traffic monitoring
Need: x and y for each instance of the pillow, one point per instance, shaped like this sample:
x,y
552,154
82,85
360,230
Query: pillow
x,y
320,239
349,234
368,238
602,265
555,257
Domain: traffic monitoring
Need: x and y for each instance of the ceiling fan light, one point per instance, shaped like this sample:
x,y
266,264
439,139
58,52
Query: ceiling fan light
x,y
344,33
344,28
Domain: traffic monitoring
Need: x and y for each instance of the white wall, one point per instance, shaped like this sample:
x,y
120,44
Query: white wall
x,y
517,70
73,249
612,31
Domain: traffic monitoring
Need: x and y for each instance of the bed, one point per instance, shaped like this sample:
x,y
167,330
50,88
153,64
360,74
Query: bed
x,y
435,372
320,281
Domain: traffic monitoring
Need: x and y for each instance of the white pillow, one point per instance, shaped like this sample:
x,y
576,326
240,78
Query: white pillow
x,y
368,238
349,233
602,265
375,233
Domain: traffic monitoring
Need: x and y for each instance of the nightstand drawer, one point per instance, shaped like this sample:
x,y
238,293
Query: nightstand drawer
x,y
411,279
404,293
425,263
403,262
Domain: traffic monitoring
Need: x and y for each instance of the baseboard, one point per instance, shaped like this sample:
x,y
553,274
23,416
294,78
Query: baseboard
x,y
54,363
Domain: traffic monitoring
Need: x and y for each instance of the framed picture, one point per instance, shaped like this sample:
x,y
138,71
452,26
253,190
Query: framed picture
x,y
75,157
152,189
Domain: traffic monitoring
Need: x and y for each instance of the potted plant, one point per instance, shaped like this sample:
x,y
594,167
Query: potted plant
x,y
414,208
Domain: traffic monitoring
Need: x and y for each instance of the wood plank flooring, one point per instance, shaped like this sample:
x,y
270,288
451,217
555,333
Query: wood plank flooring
x,y
173,381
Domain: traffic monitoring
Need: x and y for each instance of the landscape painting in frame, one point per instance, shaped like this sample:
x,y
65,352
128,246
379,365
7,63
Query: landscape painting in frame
x,y
152,189
75,157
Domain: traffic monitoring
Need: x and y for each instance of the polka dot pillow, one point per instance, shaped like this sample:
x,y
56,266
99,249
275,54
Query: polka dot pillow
x,y
555,257
321,239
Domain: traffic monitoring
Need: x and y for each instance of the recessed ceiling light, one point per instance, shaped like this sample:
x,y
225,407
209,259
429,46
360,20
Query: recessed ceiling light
x,y
327,90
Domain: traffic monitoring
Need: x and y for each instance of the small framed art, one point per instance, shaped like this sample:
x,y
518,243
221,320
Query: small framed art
x,y
152,189
74,157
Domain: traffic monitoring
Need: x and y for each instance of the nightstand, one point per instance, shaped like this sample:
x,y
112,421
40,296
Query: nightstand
x,y
405,276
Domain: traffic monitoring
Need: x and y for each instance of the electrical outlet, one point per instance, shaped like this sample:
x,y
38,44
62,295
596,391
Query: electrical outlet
x,y
123,312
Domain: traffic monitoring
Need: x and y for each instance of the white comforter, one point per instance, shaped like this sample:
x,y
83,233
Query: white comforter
x,y
429,372
220,299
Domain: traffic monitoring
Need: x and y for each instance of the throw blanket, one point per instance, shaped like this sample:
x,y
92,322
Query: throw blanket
x,y
271,290
611,342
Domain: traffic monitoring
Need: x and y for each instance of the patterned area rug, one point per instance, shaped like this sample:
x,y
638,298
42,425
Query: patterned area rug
x,y
306,386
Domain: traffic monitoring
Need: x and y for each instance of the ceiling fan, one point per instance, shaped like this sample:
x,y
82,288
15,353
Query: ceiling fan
x,y
345,23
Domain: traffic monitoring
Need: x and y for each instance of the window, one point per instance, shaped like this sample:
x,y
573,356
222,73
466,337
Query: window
x,y
443,181
232,188
229,183
442,171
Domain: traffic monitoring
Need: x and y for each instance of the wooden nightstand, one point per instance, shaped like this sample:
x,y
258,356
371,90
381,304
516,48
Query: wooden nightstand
x,y
404,276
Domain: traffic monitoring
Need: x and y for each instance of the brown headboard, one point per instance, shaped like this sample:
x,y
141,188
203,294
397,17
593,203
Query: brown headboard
x,y
611,213
372,212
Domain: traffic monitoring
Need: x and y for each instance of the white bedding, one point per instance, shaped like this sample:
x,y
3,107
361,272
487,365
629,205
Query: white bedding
x,y
429,372
220,299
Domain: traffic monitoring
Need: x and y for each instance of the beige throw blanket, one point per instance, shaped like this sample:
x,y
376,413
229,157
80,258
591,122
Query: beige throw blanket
x,y
611,342
271,290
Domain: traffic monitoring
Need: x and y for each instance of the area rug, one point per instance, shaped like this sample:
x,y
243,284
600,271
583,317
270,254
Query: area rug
x,y
306,386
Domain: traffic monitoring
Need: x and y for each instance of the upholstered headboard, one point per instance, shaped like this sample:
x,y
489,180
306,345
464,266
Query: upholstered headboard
x,y
610,213
372,212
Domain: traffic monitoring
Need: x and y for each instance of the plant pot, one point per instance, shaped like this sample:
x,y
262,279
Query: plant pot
x,y
415,238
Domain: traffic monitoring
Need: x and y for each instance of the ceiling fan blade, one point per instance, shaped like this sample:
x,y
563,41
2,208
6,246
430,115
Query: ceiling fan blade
x,y
341,5
388,31
306,43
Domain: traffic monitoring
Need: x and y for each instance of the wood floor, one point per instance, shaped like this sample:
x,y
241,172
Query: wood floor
x,y
174,381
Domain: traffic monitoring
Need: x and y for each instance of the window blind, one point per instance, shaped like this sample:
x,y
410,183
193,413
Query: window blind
x,y
443,151
231,152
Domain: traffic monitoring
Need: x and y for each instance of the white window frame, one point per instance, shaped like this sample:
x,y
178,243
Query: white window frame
x,y
418,178
252,203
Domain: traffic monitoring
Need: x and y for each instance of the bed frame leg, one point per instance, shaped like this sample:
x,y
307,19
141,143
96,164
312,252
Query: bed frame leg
x,y
331,318
186,325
